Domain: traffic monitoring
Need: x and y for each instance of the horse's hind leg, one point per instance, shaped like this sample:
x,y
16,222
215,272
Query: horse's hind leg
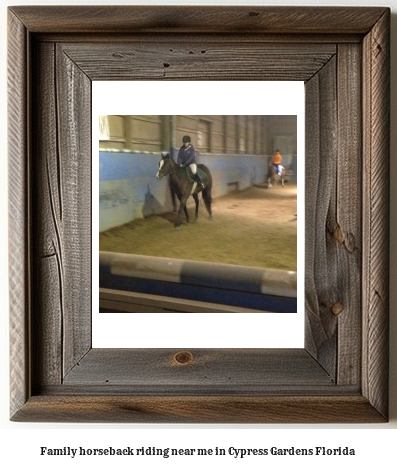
x,y
197,201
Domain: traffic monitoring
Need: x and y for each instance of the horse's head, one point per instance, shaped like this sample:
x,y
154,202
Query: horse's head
x,y
165,166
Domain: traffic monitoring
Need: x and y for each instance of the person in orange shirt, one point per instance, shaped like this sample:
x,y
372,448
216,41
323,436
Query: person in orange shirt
x,y
276,159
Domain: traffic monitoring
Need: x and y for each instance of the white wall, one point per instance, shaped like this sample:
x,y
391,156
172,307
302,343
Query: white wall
x,y
375,444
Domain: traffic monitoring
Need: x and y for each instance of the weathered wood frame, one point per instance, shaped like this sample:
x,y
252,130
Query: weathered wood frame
x,y
343,56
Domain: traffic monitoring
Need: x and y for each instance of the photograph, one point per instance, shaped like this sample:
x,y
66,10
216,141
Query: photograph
x,y
227,183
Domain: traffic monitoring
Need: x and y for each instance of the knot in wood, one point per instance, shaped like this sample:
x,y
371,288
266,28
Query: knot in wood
x,y
183,358
337,308
338,235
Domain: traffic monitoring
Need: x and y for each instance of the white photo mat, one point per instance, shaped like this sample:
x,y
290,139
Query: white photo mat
x,y
246,330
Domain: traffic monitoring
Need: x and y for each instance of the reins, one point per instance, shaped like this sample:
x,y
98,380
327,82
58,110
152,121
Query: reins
x,y
173,171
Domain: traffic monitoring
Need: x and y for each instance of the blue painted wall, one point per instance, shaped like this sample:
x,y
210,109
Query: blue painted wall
x,y
128,188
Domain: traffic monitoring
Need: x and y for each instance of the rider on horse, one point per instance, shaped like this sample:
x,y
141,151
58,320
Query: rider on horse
x,y
276,159
187,158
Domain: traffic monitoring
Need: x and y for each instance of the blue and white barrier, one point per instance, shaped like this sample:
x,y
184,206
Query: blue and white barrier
x,y
263,289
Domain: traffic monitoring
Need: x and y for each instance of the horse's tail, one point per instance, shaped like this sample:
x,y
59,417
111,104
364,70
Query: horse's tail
x,y
207,199
207,191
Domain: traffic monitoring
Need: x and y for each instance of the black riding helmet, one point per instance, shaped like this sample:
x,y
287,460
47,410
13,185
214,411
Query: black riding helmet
x,y
186,139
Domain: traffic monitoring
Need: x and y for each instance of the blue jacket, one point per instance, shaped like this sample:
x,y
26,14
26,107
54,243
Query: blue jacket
x,y
186,156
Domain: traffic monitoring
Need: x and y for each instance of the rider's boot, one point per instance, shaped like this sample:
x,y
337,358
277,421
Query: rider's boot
x,y
197,177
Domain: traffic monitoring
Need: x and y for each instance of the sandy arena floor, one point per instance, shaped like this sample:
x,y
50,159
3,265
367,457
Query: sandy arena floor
x,y
254,227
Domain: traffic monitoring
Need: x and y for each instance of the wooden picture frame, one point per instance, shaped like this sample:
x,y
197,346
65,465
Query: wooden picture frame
x,y
341,376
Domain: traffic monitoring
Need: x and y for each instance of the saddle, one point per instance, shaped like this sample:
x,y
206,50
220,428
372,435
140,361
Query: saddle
x,y
201,173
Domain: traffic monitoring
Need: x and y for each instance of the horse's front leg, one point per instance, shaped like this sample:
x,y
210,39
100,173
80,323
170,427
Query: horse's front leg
x,y
182,208
173,199
186,213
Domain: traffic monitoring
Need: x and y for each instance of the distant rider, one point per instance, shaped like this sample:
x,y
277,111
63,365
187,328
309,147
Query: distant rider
x,y
276,159
187,158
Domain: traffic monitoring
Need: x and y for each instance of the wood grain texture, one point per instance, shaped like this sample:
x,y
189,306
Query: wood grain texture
x,y
208,59
249,370
19,226
346,228
63,221
341,376
333,212
47,202
376,90
199,19
74,149
321,277
199,409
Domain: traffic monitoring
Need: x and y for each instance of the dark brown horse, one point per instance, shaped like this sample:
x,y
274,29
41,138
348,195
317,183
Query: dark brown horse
x,y
183,185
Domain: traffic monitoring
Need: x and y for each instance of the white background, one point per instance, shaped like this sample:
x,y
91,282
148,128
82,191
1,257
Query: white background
x,y
374,444
247,330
